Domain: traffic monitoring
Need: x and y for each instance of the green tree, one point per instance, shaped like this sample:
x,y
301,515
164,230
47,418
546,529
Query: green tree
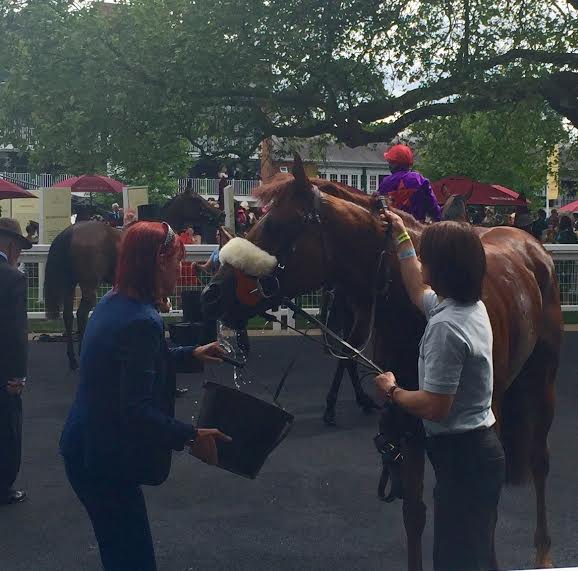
x,y
137,83
508,147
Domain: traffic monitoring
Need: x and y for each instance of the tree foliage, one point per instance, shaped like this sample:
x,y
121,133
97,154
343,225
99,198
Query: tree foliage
x,y
508,147
135,84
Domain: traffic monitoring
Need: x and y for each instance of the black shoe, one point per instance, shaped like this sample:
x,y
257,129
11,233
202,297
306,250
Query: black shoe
x,y
13,497
181,392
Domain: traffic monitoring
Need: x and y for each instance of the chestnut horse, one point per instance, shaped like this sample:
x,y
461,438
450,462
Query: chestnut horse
x,y
317,233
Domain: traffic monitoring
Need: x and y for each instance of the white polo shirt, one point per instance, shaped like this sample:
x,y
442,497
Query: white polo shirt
x,y
455,358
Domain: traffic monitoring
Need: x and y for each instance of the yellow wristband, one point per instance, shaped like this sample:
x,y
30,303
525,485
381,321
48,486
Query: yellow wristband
x,y
403,237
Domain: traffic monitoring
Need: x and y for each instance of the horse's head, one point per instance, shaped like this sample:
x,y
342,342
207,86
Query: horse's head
x,y
304,241
455,207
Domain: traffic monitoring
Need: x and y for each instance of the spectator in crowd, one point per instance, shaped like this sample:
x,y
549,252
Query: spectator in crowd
x,y
523,221
32,231
554,219
211,266
115,217
566,233
188,275
575,220
13,357
539,226
130,217
241,218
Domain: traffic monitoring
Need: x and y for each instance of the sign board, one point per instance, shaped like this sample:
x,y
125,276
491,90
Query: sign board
x,y
133,197
55,208
25,209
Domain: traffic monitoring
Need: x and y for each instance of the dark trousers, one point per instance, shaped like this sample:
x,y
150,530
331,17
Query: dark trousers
x,y
119,518
470,471
10,440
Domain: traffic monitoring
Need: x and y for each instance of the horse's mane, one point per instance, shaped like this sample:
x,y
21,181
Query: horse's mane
x,y
281,183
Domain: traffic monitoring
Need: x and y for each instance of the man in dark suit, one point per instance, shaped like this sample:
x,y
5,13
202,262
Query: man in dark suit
x,y
13,356
116,216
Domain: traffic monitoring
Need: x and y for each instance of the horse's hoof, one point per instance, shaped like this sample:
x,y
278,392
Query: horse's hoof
x,y
546,563
73,365
329,419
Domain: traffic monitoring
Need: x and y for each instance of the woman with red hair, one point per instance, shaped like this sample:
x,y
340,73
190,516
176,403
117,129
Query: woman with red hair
x,y
407,189
121,430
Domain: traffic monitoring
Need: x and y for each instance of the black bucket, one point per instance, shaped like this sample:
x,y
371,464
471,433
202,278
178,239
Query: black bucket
x,y
256,426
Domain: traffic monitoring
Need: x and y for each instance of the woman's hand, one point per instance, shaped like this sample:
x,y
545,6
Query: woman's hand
x,y
211,353
204,446
395,220
384,384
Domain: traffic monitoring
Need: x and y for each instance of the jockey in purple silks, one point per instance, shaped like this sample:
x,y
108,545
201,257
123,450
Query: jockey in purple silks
x,y
408,190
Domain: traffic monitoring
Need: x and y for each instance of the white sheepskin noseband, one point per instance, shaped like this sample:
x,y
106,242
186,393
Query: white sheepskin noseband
x,y
247,257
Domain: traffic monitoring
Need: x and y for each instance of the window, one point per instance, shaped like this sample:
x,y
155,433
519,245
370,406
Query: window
x,y
344,179
333,177
372,183
355,180
323,175
284,169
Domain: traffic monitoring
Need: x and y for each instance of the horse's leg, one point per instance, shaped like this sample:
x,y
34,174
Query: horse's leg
x,y
540,457
528,411
68,318
361,397
87,302
329,414
414,509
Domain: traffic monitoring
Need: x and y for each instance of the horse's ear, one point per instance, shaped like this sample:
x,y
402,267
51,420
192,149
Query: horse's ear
x,y
299,171
468,194
445,191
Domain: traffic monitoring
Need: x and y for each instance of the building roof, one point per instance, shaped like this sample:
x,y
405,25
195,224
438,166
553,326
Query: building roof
x,y
332,153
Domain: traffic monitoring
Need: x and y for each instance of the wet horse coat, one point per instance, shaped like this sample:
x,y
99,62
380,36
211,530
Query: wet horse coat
x,y
520,292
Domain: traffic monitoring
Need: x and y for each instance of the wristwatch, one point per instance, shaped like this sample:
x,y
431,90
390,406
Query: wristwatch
x,y
390,392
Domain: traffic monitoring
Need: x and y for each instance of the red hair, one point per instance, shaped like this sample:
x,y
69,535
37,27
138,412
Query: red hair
x,y
140,249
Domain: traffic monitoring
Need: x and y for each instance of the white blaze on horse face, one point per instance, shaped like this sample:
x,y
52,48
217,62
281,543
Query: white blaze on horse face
x,y
247,257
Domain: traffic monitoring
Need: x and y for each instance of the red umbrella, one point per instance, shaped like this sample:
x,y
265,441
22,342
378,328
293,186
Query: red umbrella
x,y
484,194
571,207
90,183
11,190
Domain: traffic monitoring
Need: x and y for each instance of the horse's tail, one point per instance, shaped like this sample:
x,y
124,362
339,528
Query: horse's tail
x,y
58,273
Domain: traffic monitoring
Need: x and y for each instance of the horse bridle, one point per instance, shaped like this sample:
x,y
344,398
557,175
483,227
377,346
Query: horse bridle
x,y
269,285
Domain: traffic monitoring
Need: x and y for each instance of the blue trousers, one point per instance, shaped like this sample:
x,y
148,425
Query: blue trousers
x,y
119,518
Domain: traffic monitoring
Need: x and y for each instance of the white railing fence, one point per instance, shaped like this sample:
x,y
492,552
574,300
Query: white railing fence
x,y
210,187
33,261
29,180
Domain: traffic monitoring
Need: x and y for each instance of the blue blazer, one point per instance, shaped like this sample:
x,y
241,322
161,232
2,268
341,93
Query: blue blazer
x,y
121,424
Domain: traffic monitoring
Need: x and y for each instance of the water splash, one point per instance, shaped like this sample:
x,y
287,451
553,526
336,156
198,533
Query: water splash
x,y
230,340
236,344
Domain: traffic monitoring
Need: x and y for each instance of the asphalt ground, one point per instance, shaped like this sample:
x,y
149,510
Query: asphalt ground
x,y
313,506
